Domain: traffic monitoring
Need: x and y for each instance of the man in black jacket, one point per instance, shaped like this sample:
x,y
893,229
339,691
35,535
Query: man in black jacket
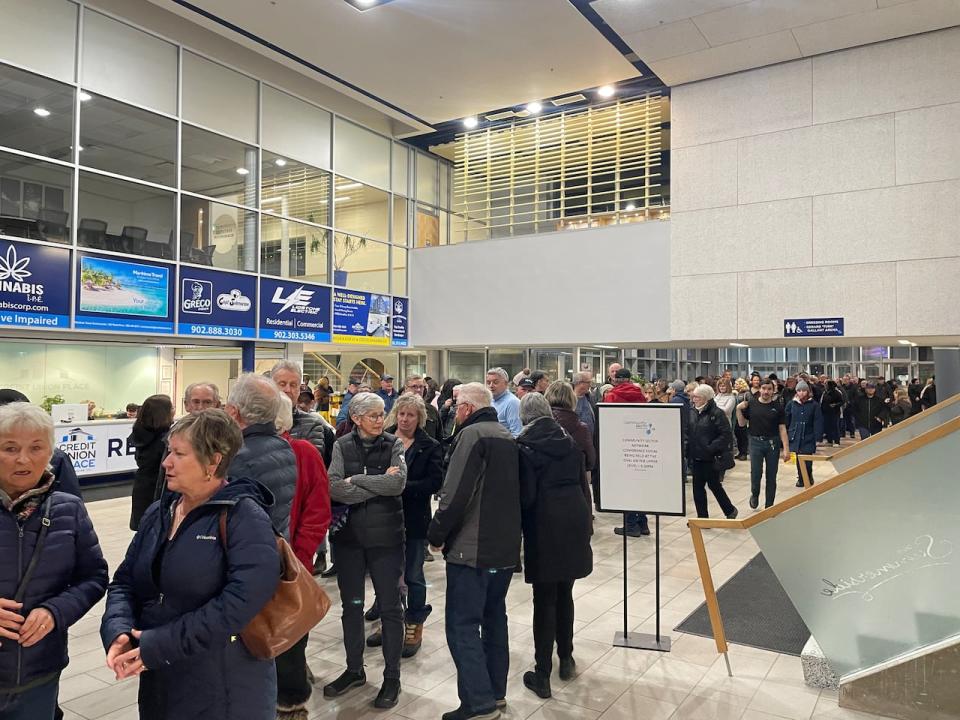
x,y
477,527
870,411
306,426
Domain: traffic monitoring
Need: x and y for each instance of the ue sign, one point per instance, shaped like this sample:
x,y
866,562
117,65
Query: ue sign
x,y
400,333
293,310
217,304
34,285
813,327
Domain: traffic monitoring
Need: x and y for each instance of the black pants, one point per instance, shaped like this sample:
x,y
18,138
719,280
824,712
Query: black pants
x,y
705,476
293,686
552,621
385,565
743,440
809,464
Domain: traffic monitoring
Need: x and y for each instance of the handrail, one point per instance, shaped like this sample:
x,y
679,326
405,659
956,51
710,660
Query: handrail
x,y
697,525
323,361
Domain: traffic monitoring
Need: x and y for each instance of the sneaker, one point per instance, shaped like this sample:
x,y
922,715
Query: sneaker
x,y
372,614
320,565
644,529
733,515
539,684
463,714
389,692
629,532
412,639
375,639
501,704
799,483
347,681
568,668
754,501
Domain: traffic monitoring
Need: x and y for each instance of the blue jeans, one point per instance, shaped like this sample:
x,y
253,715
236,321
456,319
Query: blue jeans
x,y
476,624
764,452
417,609
38,703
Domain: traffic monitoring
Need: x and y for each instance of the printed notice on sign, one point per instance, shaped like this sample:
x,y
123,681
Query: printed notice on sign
x,y
640,458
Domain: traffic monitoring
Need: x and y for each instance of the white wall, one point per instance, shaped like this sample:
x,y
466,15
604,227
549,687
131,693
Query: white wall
x,y
823,187
575,287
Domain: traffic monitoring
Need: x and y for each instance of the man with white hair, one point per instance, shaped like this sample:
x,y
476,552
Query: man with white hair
x,y
266,457
288,376
504,402
581,388
477,527
200,396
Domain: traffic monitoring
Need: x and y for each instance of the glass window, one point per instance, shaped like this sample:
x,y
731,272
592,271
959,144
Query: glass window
x,y
217,235
217,166
295,128
399,236
126,63
126,140
360,264
36,114
510,359
41,34
399,271
293,250
219,98
125,217
427,190
401,165
428,227
467,365
291,188
847,353
35,199
445,172
361,154
360,209
900,352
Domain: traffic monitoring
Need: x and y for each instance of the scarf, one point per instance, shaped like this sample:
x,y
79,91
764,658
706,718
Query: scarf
x,y
26,505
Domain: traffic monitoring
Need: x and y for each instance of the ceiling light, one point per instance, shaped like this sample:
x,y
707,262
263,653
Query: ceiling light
x,y
606,91
84,96
630,207
606,347
906,342
242,171
279,162
470,123
350,186
42,112
534,107
733,344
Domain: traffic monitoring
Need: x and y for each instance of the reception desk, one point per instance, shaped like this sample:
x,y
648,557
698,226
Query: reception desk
x,y
97,447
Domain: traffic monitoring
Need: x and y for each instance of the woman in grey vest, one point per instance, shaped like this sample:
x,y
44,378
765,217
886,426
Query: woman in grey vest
x,y
367,475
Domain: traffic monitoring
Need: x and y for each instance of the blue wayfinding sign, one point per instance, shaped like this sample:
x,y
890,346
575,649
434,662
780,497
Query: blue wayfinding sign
x,y
400,332
123,295
34,285
217,304
293,310
813,327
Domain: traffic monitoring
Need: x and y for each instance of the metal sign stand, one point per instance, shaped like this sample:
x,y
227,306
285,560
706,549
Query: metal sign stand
x,y
642,641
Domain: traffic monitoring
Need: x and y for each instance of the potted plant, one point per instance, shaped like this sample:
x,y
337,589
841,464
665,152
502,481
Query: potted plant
x,y
344,246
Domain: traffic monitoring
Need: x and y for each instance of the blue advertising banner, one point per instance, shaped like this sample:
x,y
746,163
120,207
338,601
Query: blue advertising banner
x,y
124,296
293,310
813,327
34,285
360,318
400,334
217,304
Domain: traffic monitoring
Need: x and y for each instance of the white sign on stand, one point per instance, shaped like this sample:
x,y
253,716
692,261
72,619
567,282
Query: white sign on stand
x,y
98,447
641,458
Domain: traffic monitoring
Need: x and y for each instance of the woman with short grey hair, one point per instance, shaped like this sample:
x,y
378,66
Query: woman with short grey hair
x,y
709,450
563,403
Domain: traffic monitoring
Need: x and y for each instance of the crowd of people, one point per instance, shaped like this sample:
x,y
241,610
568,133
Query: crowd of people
x,y
512,464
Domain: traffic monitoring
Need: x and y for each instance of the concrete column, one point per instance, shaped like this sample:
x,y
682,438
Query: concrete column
x,y
946,364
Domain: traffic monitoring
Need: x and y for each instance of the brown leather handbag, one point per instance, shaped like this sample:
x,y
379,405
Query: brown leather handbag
x,y
295,608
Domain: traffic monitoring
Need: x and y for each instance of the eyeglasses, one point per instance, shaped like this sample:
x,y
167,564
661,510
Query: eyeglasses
x,y
375,418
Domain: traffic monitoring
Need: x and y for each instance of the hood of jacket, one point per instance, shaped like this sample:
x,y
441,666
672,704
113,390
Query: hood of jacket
x,y
544,435
142,437
625,393
230,494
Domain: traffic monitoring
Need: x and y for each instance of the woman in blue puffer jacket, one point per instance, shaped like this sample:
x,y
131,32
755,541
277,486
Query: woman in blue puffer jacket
x,y
51,568
178,602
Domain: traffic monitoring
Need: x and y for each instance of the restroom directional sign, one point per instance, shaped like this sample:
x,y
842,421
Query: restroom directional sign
x,y
813,327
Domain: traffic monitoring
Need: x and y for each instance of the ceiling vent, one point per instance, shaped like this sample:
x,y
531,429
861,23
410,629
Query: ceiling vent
x,y
505,115
568,100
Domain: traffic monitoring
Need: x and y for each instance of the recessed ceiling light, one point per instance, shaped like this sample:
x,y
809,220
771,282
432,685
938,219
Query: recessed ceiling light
x,y
84,96
279,162
733,344
470,123
534,107
906,342
42,112
242,171
606,91
366,4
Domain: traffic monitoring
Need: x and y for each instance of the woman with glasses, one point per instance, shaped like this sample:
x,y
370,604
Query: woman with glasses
x,y
368,473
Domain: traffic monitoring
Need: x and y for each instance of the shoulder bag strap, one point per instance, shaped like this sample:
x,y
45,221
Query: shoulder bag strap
x,y
223,530
37,550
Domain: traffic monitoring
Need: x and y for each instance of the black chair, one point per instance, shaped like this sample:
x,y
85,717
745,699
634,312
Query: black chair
x,y
206,255
92,233
133,239
52,225
188,250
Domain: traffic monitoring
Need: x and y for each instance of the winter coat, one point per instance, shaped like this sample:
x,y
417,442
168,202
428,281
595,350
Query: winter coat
x,y
570,422
191,599
478,520
150,447
312,428
556,503
900,411
69,579
870,412
424,478
65,477
625,392
267,458
804,425
831,401
310,511
448,420
433,426
710,433
928,396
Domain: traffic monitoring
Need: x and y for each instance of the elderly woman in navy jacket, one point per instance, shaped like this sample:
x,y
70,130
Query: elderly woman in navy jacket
x,y
178,601
804,427
51,573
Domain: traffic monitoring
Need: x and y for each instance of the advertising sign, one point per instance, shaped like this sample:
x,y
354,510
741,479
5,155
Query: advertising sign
x,y
813,327
98,448
361,318
121,295
217,304
400,333
34,285
293,310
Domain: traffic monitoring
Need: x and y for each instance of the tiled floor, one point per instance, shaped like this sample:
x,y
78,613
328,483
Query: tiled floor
x,y
689,683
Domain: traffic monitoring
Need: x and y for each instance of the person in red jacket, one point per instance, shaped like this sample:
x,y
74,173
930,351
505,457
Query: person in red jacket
x,y
309,520
625,391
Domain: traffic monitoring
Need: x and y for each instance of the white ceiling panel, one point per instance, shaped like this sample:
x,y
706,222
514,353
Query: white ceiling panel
x,y
726,59
632,16
762,17
677,38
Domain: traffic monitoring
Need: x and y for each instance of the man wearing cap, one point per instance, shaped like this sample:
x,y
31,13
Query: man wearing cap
x,y
804,427
625,391
525,386
387,393
870,411
353,387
